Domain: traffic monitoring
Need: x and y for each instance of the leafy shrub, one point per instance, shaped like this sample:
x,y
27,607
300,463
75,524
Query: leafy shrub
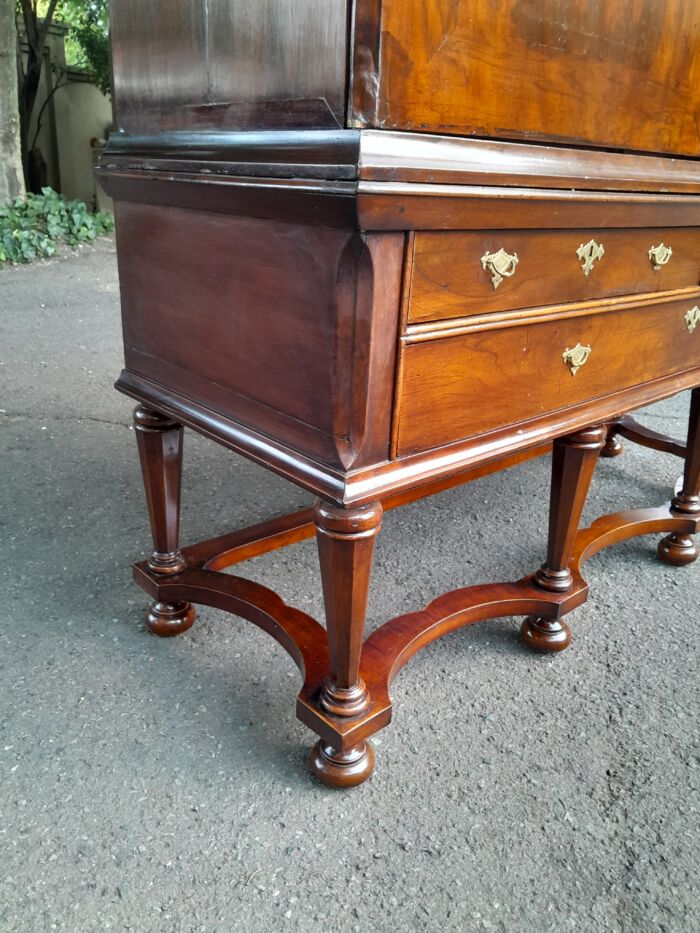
x,y
30,227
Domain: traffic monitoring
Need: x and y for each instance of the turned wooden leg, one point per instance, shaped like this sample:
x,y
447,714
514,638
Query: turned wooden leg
x,y
573,461
679,550
613,446
160,450
345,539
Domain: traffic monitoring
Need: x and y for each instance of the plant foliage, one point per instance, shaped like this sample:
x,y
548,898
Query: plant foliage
x,y
31,227
87,43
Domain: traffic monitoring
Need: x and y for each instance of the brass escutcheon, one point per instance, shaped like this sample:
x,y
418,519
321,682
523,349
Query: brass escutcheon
x,y
501,265
588,253
575,357
659,256
692,318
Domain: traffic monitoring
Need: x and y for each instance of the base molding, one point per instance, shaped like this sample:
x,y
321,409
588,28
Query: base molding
x,y
394,643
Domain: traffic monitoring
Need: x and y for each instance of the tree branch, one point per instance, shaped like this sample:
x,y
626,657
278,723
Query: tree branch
x,y
46,25
55,88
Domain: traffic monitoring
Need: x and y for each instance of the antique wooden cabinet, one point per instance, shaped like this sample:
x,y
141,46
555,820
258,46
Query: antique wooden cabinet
x,y
383,247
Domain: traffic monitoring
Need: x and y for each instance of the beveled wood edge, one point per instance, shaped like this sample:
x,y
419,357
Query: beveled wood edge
x,y
399,157
383,205
497,320
325,190
406,287
391,156
414,467
331,154
357,487
320,479
329,203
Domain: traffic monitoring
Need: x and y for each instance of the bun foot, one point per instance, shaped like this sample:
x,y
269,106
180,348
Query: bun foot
x,y
342,769
168,619
545,634
677,550
613,447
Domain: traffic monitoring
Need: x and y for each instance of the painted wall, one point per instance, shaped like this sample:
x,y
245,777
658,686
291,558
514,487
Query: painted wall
x,y
76,115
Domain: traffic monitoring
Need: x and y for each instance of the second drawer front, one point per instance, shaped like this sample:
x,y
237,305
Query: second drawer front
x,y
450,279
458,387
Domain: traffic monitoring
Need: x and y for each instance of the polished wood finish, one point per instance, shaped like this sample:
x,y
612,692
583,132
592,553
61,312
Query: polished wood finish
x,y
450,281
613,446
279,302
573,463
342,769
340,753
679,550
303,208
345,540
630,428
380,480
213,64
159,441
452,160
419,206
442,381
610,74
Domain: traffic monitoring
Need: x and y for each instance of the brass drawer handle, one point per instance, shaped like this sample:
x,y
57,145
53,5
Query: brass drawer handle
x,y
659,256
501,265
692,318
588,253
575,357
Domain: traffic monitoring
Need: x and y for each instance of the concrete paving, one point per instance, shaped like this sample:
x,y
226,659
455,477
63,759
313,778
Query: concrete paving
x,y
161,785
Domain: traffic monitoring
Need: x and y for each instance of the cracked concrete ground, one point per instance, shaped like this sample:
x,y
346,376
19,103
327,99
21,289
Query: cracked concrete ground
x,y
151,785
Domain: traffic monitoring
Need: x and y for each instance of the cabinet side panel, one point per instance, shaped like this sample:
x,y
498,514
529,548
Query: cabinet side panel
x,y
239,315
228,64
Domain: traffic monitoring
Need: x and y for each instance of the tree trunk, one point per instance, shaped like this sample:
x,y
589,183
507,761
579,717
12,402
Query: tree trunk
x,y
11,174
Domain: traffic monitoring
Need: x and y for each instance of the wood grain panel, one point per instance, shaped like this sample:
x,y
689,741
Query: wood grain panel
x,y
450,281
458,387
612,73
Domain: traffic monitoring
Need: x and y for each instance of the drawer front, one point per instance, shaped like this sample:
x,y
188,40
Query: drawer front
x,y
456,274
453,388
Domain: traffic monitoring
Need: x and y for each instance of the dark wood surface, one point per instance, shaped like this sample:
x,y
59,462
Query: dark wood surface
x,y
630,428
400,476
614,73
299,153
228,64
159,442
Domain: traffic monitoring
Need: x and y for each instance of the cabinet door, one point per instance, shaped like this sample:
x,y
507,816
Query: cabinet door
x,y
612,73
